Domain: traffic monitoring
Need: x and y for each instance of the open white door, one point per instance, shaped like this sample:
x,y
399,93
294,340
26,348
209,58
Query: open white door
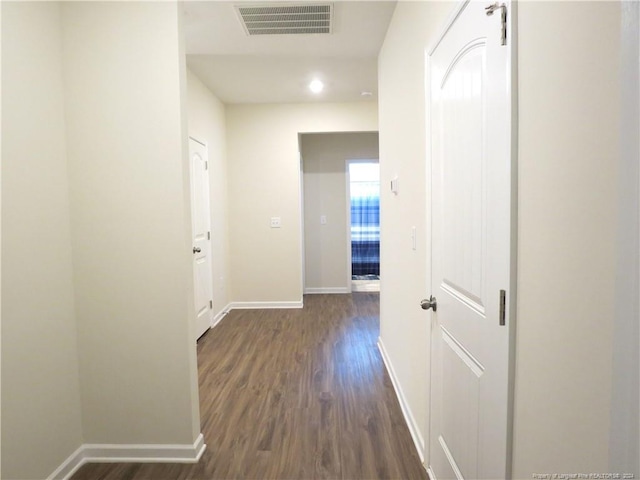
x,y
470,86
201,231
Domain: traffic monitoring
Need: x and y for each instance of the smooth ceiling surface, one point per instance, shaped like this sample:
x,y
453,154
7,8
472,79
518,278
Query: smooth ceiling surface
x,y
278,68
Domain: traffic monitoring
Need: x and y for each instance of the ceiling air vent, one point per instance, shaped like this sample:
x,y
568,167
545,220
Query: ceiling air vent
x,y
286,19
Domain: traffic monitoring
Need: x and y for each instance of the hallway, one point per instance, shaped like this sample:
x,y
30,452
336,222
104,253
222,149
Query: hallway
x,y
293,394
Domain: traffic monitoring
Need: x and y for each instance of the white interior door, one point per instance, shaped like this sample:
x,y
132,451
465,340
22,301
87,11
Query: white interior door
x,y
470,82
201,230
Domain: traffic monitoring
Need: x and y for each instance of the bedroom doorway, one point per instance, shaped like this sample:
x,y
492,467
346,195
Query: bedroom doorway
x,y
364,221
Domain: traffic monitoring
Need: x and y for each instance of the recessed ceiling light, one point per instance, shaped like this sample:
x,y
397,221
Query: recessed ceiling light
x,y
316,86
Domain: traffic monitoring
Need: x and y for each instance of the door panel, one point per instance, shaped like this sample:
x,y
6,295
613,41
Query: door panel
x,y
462,184
461,374
471,251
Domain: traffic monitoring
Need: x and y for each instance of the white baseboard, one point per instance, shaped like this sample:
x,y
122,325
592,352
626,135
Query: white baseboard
x,y
253,305
69,466
418,440
220,315
109,453
432,476
325,290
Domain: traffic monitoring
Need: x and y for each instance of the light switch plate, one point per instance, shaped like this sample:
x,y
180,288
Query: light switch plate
x,y
394,185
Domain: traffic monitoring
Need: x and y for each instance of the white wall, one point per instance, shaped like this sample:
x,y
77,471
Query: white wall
x,y
41,423
624,445
569,84
569,66
207,123
325,193
130,216
0,256
264,182
404,327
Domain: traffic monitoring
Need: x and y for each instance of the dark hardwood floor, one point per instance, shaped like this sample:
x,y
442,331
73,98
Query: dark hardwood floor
x,y
293,394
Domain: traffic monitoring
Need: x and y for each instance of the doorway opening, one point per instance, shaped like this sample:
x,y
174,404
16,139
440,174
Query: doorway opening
x,y
364,198
326,206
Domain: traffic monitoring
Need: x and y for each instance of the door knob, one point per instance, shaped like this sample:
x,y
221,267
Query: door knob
x,y
431,303
196,250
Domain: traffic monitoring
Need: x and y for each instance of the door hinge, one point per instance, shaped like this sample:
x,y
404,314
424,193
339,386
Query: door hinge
x,y
210,303
503,16
208,235
206,165
503,308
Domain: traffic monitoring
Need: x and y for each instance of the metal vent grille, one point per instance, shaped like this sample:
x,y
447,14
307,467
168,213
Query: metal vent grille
x,y
286,19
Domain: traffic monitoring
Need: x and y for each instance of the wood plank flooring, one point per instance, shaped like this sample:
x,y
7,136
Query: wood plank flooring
x,y
293,394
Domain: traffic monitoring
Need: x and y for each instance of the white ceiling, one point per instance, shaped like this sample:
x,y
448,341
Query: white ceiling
x,y
278,68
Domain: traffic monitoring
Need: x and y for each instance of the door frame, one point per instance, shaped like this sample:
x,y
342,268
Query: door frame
x,y
301,198
511,312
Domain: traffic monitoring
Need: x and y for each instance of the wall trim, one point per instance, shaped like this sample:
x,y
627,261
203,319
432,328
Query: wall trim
x,y
220,315
138,453
323,290
418,440
432,476
253,305
69,466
